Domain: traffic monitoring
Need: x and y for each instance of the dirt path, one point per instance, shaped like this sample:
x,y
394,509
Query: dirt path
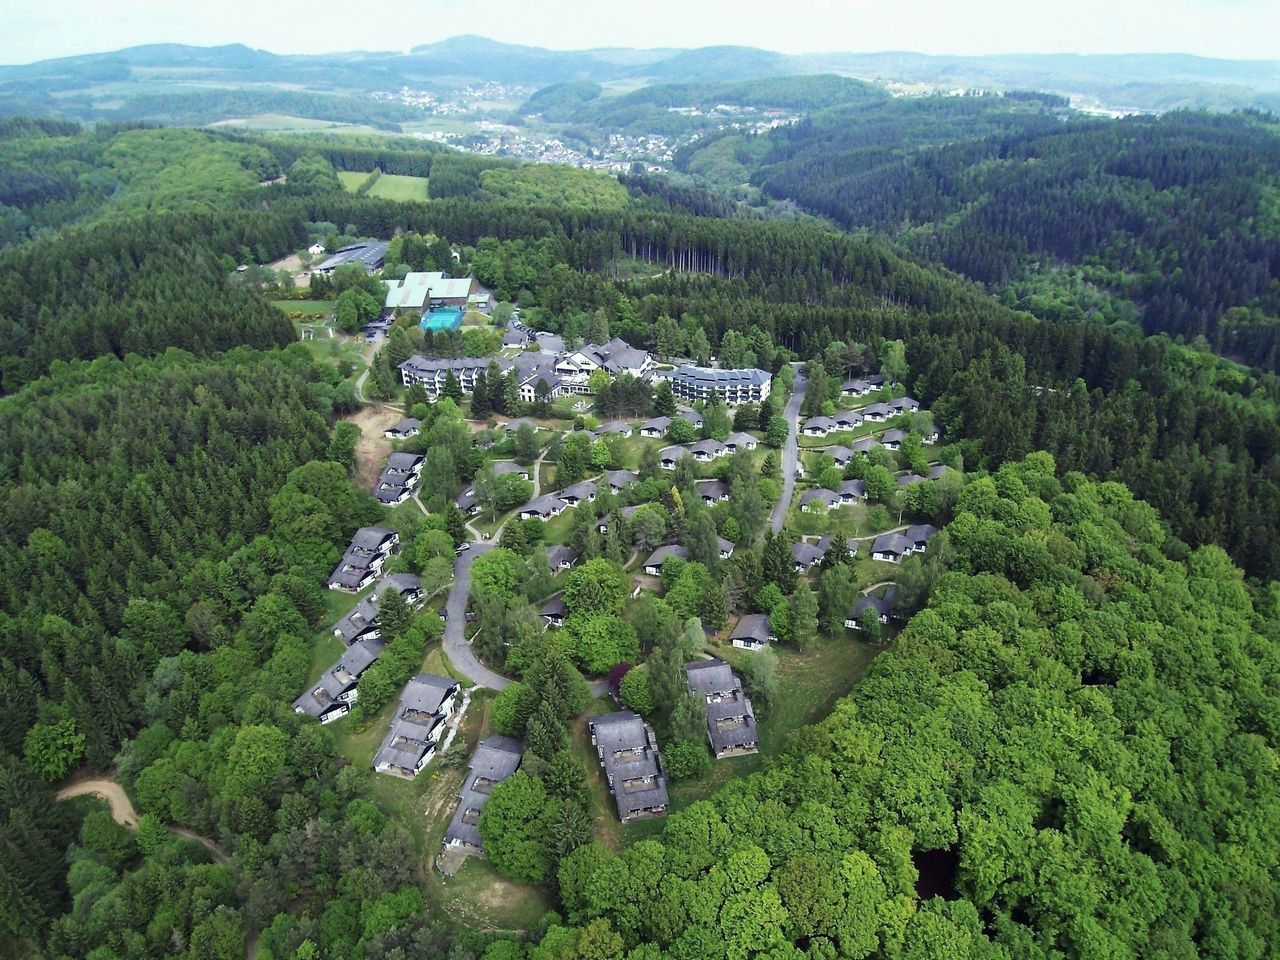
x,y
123,812
372,449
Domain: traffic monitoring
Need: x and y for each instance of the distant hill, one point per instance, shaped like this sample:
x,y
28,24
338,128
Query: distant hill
x,y
1121,82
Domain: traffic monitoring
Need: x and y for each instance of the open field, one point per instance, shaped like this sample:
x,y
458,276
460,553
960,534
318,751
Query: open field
x,y
282,123
389,186
310,308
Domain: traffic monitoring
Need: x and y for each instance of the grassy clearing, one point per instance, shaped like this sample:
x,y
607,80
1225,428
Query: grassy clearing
x,y
392,186
351,179
324,653
312,308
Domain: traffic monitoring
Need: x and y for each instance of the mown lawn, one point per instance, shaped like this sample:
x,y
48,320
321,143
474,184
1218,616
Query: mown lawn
x,y
316,308
351,179
392,186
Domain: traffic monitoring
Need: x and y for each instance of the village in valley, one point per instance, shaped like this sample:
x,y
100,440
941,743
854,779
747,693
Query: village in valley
x,y
650,568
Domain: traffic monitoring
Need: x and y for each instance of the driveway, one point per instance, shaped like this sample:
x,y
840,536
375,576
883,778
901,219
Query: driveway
x,y
790,452
455,626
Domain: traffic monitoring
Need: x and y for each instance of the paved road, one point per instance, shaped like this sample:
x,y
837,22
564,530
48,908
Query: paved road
x,y
455,626
790,452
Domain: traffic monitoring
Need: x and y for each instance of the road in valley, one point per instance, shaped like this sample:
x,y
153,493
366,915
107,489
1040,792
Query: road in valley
x,y
790,452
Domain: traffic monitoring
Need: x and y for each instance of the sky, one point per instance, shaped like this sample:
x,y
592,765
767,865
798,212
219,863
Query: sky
x,y
1234,29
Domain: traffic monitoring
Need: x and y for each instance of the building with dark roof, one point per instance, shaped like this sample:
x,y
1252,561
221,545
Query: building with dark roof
x,y
883,607
425,706
496,758
334,693
628,753
363,559
653,565
752,632
692,383
369,255
731,723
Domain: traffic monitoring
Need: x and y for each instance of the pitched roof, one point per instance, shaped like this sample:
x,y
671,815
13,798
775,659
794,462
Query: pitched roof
x,y
714,489
665,553
740,440
708,446
628,753
807,554
821,495
711,676
658,424
752,626
496,758
710,377
894,543
582,490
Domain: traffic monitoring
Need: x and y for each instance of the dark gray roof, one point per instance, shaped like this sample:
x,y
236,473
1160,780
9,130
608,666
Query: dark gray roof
x,y
878,409
939,470
853,488
819,423
413,730
883,606
545,504
371,538
620,479
559,555
753,626
674,452
657,424
921,533
495,759
368,255
740,439
865,445
501,467
691,415
665,553
407,425
894,543
711,676
340,678
908,479
820,495
709,377
824,544
807,554
841,455
628,751
714,489
893,436
614,426
583,490
555,607
708,446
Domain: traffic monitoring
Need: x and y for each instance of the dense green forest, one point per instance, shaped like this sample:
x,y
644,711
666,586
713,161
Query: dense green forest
x,y
1167,223
1068,752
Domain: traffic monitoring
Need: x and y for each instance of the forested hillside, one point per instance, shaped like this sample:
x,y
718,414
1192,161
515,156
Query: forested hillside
x,y
1167,222
1033,770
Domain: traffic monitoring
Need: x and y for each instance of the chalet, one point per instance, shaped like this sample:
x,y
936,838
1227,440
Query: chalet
x,y
504,467
399,477
619,480
334,693
892,439
806,555
691,383
653,566
363,559
406,428
704,451
655,428
690,416
852,490
752,632
731,723
878,412
515,338
554,611
579,492
405,465
466,502
855,388
908,479
712,491
939,470
668,457
617,427
865,445
883,606
724,548
425,706
920,535
625,512
628,752
362,622
496,758
543,508
740,441
561,558
818,426
392,491
840,455
890,547
905,405
824,544
813,501
847,420
511,426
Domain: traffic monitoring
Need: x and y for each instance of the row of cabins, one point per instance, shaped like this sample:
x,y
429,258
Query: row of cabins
x,y
850,491
820,426
628,752
364,558
673,551
466,500
550,505
412,739
333,695
731,722
399,478
706,451
657,427
860,387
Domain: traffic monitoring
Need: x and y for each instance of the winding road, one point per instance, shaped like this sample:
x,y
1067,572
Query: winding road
x,y
455,643
790,452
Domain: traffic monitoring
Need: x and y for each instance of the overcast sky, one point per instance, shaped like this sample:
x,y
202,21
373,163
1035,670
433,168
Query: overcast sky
x,y
1220,28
